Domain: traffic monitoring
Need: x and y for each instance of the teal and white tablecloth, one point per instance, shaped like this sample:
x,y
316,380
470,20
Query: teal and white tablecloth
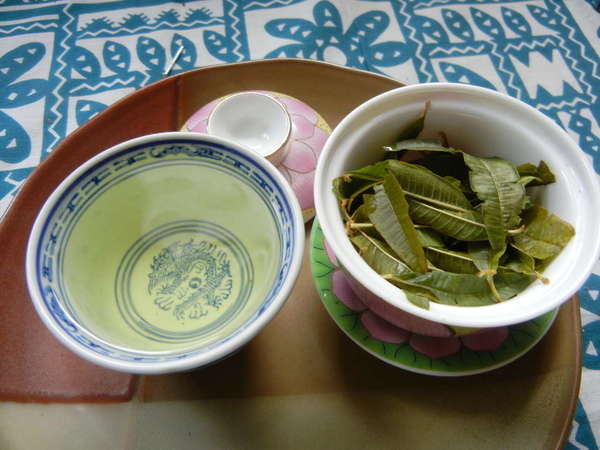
x,y
63,62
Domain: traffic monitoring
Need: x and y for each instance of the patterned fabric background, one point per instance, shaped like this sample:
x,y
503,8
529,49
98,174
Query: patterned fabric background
x,y
62,62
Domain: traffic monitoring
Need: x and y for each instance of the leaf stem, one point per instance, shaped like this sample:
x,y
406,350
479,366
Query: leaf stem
x,y
433,268
383,250
361,176
378,180
445,251
495,293
464,219
436,202
345,213
486,272
359,226
541,278
516,230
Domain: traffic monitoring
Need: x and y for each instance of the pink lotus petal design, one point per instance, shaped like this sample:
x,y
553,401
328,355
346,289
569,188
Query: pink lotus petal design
x,y
490,339
342,290
388,324
300,158
199,120
434,347
302,128
303,184
397,316
382,330
295,106
317,140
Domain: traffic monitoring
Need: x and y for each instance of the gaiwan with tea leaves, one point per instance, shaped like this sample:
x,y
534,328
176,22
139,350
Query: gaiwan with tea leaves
x,y
449,227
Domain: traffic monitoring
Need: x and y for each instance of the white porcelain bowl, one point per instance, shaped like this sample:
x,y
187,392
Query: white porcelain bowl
x,y
481,122
165,253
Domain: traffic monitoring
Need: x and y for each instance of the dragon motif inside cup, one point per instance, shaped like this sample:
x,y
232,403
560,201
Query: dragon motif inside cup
x,y
190,279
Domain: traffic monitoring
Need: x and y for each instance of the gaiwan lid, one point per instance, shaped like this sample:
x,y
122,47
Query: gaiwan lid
x,y
282,128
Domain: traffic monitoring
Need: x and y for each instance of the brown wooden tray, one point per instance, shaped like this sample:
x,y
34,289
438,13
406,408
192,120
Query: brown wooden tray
x,y
301,383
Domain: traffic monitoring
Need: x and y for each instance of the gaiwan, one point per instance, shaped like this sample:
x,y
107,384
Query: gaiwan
x,y
165,253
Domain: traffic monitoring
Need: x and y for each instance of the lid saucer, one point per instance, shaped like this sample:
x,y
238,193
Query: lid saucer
x,y
308,135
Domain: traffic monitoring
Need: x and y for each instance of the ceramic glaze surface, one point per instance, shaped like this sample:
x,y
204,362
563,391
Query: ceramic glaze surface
x,y
159,241
439,355
255,120
484,123
171,247
307,138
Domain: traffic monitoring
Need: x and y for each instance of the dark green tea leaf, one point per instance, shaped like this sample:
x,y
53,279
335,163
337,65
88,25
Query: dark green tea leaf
x,y
388,211
339,189
344,186
464,226
496,183
535,176
372,172
416,295
527,179
414,128
545,174
450,260
378,255
527,169
545,234
428,237
520,262
454,182
446,164
417,182
366,188
419,145
542,264
484,257
509,283
422,184
361,214
417,300
450,288
487,259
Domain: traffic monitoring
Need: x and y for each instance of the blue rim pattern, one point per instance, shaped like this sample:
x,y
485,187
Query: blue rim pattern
x,y
90,184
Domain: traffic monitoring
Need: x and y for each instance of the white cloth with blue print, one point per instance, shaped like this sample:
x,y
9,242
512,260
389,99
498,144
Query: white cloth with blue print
x,y
63,62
